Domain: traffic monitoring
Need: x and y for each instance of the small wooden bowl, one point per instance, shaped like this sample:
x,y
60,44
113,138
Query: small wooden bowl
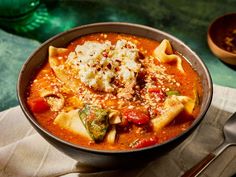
x,y
219,29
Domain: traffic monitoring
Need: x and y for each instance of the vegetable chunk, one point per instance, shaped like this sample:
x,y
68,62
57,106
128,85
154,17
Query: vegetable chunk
x,y
39,105
111,135
95,121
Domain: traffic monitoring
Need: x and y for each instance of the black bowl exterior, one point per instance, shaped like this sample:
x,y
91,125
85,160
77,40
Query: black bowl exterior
x,y
102,158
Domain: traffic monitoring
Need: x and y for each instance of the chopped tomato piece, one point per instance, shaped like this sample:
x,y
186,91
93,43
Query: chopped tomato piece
x,y
159,92
135,116
124,122
38,105
140,143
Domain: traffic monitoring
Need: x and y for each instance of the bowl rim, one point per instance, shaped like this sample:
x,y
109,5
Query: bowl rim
x,y
210,38
36,125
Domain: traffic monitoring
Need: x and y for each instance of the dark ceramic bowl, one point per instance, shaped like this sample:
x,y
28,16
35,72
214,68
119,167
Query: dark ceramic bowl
x,y
103,158
218,30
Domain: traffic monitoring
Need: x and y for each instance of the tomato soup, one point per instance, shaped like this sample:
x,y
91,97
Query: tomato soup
x,y
115,91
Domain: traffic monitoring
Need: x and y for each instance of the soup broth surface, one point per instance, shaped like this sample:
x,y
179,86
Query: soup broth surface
x,y
113,91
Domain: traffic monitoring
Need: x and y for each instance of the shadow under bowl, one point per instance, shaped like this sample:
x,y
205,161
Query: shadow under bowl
x,y
220,29
104,158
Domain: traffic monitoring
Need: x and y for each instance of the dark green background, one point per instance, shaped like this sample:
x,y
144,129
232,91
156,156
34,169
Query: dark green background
x,y
187,20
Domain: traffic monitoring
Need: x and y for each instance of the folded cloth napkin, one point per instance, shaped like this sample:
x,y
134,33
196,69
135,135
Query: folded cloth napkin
x,y
23,152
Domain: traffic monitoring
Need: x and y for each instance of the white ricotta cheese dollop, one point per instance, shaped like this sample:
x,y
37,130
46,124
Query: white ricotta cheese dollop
x,y
100,64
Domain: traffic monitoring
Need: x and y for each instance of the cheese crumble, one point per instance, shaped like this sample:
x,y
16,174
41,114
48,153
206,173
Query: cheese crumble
x,y
103,66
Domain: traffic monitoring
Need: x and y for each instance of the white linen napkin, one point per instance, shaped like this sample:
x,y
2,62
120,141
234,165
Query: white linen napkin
x,y
23,152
